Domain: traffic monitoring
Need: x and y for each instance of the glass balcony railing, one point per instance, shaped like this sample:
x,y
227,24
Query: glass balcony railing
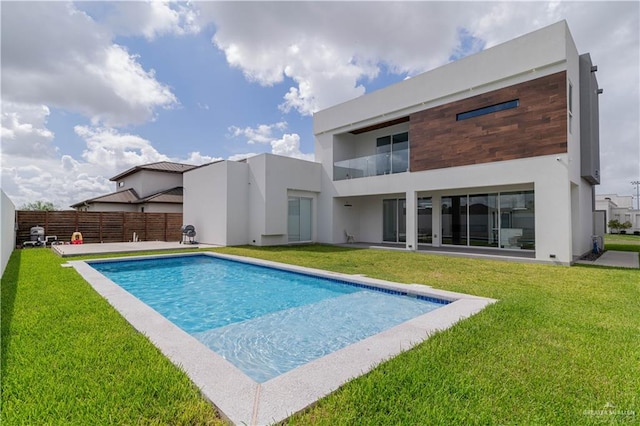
x,y
372,165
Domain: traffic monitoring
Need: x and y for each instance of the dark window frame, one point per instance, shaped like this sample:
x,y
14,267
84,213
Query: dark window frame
x,y
514,103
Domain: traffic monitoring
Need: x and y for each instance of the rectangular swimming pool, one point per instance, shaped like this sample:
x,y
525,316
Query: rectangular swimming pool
x,y
263,320
248,395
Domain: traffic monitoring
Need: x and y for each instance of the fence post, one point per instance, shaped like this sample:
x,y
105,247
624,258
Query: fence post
x,y
166,224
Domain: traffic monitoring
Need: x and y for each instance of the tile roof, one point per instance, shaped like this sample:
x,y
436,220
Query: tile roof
x,y
173,195
129,196
121,197
161,166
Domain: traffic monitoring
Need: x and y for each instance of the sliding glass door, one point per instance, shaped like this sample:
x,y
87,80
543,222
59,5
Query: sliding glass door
x,y
505,220
394,220
517,220
454,220
483,220
425,220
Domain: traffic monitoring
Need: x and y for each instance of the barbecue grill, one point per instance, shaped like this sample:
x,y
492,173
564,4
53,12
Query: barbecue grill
x,y
188,234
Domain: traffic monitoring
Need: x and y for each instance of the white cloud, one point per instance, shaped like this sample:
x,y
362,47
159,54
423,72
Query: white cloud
x,y
289,146
66,180
149,19
24,131
286,144
263,133
115,150
238,157
55,55
326,48
197,158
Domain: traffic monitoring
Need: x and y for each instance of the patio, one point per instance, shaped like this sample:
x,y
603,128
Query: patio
x,y
69,250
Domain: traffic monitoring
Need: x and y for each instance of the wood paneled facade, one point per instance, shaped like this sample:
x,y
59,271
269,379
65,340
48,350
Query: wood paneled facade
x,y
538,126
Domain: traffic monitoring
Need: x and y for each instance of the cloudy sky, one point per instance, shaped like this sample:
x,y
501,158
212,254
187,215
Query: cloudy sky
x,y
90,89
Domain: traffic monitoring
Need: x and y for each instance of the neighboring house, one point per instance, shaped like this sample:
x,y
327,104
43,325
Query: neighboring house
x,y
498,150
151,188
617,207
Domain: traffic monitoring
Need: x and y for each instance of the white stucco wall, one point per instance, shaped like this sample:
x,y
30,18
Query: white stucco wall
x,y
160,207
272,177
205,201
113,207
235,203
7,230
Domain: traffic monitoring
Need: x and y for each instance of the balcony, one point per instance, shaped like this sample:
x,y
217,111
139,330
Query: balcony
x,y
372,165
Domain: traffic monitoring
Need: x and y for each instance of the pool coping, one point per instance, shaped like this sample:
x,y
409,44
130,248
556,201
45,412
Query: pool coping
x,y
240,399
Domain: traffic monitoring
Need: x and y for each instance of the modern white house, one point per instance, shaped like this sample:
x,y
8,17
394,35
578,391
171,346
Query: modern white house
x,y
152,188
498,151
620,208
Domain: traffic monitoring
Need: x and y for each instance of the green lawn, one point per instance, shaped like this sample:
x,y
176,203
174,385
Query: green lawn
x,y
622,239
69,358
561,347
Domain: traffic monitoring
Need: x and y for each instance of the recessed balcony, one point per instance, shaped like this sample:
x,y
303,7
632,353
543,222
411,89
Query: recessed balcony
x,y
372,165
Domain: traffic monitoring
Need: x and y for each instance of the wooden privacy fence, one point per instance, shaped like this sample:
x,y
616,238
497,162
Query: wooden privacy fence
x,y
100,227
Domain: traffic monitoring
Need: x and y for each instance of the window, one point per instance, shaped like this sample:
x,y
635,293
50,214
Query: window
x,y
394,220
120,184
299,220
505,220
488,110
570,106
392,154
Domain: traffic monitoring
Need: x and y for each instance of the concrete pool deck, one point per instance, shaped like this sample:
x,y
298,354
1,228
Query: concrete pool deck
x,y
244,401
70,250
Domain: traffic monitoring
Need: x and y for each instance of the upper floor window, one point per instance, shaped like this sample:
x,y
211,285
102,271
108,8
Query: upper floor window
x,y
488,110
392,154
121,184
570,106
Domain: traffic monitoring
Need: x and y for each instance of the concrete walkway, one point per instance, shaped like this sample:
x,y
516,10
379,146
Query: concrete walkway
x,y
618,259
68,250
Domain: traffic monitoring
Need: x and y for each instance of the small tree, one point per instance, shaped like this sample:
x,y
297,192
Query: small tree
x,y
39,205
614,224
620,227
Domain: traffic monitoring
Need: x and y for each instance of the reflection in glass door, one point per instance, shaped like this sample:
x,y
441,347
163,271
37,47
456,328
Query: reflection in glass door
x,y
299,221
483,220
454,220
394,220
505,220
425,220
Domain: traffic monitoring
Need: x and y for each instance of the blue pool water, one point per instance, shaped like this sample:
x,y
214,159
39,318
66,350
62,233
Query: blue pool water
x,y
265,321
